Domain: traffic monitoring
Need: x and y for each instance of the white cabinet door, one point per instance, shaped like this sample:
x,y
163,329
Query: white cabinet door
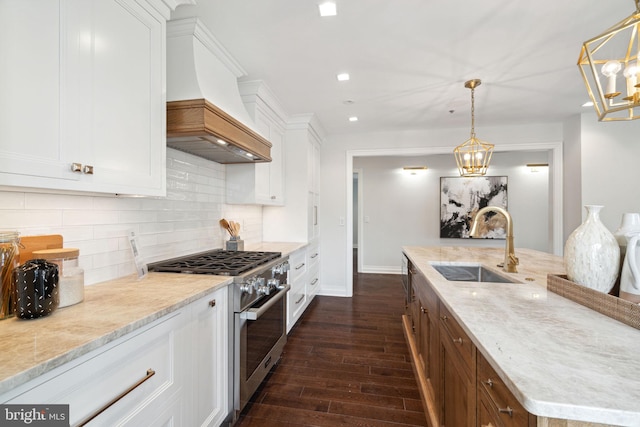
x,y
30,101
260,183
88,91
210,388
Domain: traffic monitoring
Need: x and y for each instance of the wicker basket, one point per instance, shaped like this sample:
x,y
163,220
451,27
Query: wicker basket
x,y
619,309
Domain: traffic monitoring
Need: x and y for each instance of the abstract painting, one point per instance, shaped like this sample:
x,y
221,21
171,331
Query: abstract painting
x,y
461,198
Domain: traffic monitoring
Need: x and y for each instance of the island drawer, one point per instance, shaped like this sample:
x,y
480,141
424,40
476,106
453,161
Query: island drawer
x,y
498,399
458,337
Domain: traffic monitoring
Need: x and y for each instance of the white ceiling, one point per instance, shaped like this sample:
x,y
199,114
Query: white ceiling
x,y
409,59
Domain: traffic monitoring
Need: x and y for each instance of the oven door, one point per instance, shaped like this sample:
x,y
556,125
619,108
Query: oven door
x,y
261,336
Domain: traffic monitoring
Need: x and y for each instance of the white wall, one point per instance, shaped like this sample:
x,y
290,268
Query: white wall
x,y
186,221
333,179
610,160
404,209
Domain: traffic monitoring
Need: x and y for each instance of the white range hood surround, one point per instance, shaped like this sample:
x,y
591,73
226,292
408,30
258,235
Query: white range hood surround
x,y
200,69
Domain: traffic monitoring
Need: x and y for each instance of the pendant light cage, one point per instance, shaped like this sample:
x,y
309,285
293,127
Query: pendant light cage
x,y
473,156
610,68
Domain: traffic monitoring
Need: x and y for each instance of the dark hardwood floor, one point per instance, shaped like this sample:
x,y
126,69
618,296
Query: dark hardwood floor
x,y
346,363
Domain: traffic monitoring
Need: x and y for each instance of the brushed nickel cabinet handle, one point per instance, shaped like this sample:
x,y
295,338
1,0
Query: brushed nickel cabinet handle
x,y
76,167
273,197
314,281
314,255
87,169
300,266
301,298
150,373
506,410
457,340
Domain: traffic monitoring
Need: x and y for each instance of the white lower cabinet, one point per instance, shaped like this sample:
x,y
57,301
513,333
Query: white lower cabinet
x,y
313,270
172,372
297,297
210,382
149,362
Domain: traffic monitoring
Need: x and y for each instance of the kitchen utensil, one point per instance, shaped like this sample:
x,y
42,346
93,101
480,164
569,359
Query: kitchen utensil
x,y
9,256
36,289
224,223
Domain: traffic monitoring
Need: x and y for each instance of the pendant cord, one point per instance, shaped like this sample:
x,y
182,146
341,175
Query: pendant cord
x,y
473,131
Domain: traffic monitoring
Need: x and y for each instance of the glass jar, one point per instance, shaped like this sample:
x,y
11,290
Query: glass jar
x,y
70,275
9,259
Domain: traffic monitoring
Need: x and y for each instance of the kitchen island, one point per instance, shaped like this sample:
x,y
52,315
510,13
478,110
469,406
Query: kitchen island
x,y
560,360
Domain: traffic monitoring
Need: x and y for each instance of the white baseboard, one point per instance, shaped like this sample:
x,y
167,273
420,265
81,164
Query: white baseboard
x,y
377,269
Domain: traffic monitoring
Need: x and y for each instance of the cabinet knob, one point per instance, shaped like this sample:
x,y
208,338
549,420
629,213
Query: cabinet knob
x,y
273,197
488,382
76,167
87,169
457,340
212,303
423,310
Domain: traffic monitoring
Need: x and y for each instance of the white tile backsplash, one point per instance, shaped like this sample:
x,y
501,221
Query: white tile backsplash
x,y
185,221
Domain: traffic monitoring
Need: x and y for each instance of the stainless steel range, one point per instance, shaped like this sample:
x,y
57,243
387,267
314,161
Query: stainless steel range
x,y
258,302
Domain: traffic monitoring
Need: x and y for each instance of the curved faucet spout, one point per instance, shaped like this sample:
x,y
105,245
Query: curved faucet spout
x,y
510,258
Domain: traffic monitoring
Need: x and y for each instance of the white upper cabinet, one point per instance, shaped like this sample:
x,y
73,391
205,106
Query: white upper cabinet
x,y
260,183
83,105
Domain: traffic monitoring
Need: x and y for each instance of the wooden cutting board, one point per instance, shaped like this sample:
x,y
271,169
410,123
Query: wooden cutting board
x,y
28,244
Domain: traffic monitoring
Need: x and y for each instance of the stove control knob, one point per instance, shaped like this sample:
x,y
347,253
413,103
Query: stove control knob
x,y
281,268
249,285
246,287
273,283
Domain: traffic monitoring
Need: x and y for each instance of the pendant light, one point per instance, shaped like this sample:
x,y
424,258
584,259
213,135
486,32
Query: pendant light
x,y
473,156
609,65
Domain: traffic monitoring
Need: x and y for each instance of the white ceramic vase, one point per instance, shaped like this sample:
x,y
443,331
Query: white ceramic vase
x,y
592,254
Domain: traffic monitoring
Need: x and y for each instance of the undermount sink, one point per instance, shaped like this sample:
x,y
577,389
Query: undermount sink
x,y
470,273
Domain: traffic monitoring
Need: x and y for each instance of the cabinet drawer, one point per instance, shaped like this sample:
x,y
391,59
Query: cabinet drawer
x,y
147,360
456,335
297,266
503,403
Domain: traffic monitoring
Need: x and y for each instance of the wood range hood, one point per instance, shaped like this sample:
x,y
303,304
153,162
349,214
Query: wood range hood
x,y
198,127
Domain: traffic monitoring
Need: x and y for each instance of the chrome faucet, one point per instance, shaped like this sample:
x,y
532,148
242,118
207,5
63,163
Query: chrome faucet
x,y
510,258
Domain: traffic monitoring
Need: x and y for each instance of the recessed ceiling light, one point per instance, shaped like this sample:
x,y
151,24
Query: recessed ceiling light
x,y
343,77
353,119
328,8
588,104
221,142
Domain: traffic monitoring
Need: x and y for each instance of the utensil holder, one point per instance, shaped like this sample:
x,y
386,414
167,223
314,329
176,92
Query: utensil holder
x,y
235,244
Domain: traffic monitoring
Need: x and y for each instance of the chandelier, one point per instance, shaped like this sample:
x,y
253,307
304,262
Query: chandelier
x,y
473,156
611,72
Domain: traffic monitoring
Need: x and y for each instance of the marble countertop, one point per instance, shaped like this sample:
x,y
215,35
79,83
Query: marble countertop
x,y
560,359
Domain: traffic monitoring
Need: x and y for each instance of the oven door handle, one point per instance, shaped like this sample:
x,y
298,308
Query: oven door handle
x,y
255,313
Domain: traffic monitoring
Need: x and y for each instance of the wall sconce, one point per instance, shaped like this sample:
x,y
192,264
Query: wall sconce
x,y
607,58
414,170
535,167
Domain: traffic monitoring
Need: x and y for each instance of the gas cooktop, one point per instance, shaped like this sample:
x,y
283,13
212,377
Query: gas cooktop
x,y
219,262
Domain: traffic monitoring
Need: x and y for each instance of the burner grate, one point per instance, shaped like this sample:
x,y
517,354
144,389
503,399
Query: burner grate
x,y
219,262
